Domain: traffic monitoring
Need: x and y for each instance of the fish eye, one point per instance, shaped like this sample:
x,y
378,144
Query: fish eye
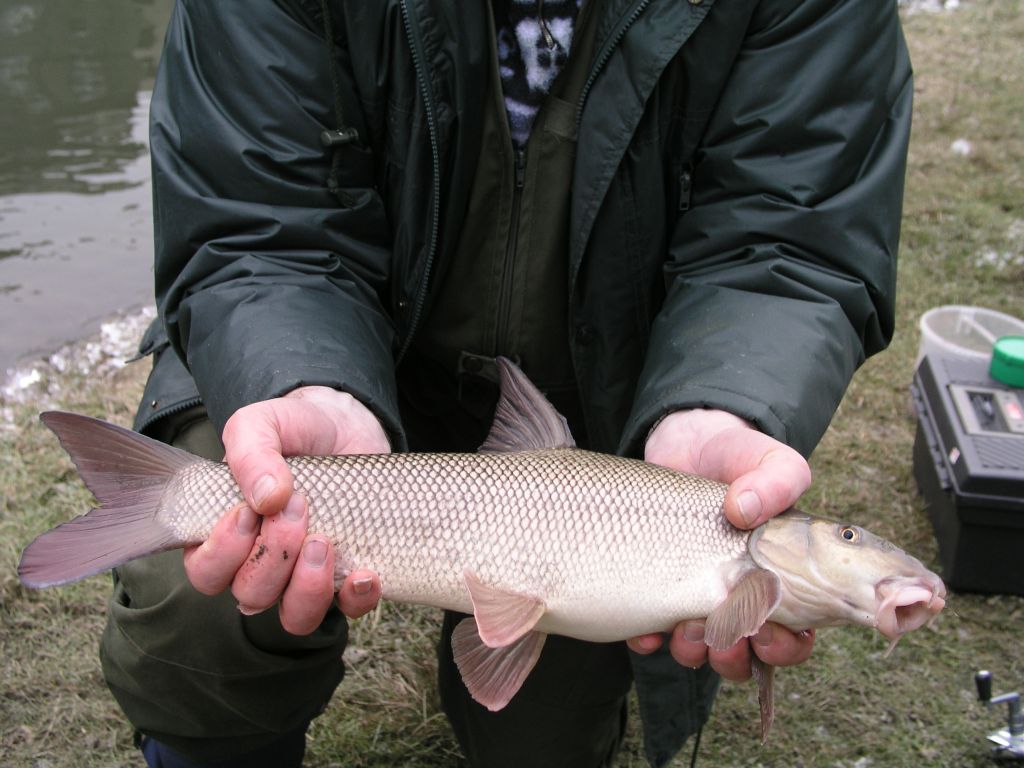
x,y
850,534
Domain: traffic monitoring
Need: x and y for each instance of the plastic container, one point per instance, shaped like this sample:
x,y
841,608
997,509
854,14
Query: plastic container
x,y
965,333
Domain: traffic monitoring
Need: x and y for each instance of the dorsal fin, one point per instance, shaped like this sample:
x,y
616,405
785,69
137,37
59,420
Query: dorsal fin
x,y
524,419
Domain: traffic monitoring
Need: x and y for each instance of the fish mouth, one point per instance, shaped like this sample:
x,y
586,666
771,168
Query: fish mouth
x,y
907,603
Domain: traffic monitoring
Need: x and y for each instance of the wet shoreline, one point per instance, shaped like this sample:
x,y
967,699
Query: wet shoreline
x,y
97,355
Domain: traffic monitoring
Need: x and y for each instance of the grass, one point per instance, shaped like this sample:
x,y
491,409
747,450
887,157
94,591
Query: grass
x,y
846,708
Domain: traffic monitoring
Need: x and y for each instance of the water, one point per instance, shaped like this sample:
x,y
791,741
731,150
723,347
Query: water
x,y
75,212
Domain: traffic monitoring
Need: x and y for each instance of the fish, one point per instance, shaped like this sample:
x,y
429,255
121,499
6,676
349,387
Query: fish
x,y
530,536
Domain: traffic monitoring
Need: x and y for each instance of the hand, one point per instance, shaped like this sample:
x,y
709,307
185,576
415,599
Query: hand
x,y
260,548
765,478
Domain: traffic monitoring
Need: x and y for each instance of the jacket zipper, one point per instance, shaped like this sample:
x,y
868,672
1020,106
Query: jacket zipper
x,y
416,48
177,407
606,53
509,267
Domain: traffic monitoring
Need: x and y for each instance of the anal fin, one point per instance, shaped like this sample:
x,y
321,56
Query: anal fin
x,y
494,675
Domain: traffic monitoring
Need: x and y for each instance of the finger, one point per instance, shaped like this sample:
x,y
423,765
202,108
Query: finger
x,y
264,575
780,647
645,644
733,663
359,594
252,444
688,648
687,644
773,483
212,565
310,590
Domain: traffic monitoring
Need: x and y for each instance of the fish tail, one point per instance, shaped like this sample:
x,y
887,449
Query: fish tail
x,y
127,473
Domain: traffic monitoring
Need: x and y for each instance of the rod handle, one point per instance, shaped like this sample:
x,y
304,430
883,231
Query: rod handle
x,y
983,680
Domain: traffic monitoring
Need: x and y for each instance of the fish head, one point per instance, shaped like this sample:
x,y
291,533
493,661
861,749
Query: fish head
x,y
838,573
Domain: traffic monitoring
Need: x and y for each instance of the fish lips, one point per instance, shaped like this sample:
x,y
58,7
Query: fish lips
x,y
906,603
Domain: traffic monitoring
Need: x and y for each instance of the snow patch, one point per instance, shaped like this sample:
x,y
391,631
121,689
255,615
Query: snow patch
x,y
928,6
1009,258
961,147
97,356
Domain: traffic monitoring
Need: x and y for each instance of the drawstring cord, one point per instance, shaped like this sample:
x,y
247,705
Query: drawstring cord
x,y
549,39
696,746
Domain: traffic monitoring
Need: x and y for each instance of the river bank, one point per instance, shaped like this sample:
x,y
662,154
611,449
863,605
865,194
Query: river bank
x,y
43,382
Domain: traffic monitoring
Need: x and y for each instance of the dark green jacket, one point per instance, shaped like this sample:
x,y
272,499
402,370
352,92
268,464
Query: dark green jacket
x,y
735,211
734,220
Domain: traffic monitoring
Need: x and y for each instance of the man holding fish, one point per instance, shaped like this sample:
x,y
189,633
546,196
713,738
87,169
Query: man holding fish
x,y
680,219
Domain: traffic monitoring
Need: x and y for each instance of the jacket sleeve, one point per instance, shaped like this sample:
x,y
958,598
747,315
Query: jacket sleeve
x,y
264,281
781,275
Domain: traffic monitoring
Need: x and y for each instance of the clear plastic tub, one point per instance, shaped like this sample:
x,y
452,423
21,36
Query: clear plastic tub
x,y
966,333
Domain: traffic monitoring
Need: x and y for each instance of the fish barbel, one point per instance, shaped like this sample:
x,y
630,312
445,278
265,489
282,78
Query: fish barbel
x,y
531,536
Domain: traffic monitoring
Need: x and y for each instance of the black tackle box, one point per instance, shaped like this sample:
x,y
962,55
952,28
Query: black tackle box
x,y
969,466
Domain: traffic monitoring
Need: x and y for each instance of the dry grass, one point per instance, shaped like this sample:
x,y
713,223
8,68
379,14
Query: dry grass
x,y
54,708
847,707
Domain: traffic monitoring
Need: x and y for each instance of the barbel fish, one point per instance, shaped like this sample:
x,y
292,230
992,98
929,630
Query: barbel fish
x,y
530,536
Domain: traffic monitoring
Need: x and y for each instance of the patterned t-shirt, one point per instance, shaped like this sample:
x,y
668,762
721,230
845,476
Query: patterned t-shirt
x,y
534,37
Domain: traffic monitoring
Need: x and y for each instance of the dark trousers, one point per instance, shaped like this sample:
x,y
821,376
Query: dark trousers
x,y
570,712
214,686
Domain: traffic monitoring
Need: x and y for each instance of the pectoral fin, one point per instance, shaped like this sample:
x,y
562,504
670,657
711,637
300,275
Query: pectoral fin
x,y
764,674
494,675
502,617
749,603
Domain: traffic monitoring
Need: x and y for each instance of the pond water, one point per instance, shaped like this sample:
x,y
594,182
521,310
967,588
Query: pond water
x,y
75,211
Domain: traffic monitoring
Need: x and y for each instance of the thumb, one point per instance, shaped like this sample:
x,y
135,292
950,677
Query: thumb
x,y
769,488
252,444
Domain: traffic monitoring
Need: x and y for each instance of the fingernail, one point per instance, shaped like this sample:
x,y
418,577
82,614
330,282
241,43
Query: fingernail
x,y
315,553
247,610
649,643
764,635
694,631
263,488
362,585
750,507
295,508
246,521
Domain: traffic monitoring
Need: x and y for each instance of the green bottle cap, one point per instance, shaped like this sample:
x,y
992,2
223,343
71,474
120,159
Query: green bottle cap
x,y
1008,361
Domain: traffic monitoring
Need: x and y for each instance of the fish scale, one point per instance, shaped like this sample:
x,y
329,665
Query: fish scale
x,y
519,522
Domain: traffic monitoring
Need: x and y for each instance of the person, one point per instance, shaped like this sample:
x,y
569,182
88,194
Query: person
x,y
681,219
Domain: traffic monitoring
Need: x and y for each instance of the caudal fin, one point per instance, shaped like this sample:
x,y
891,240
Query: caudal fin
x,y
127,473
